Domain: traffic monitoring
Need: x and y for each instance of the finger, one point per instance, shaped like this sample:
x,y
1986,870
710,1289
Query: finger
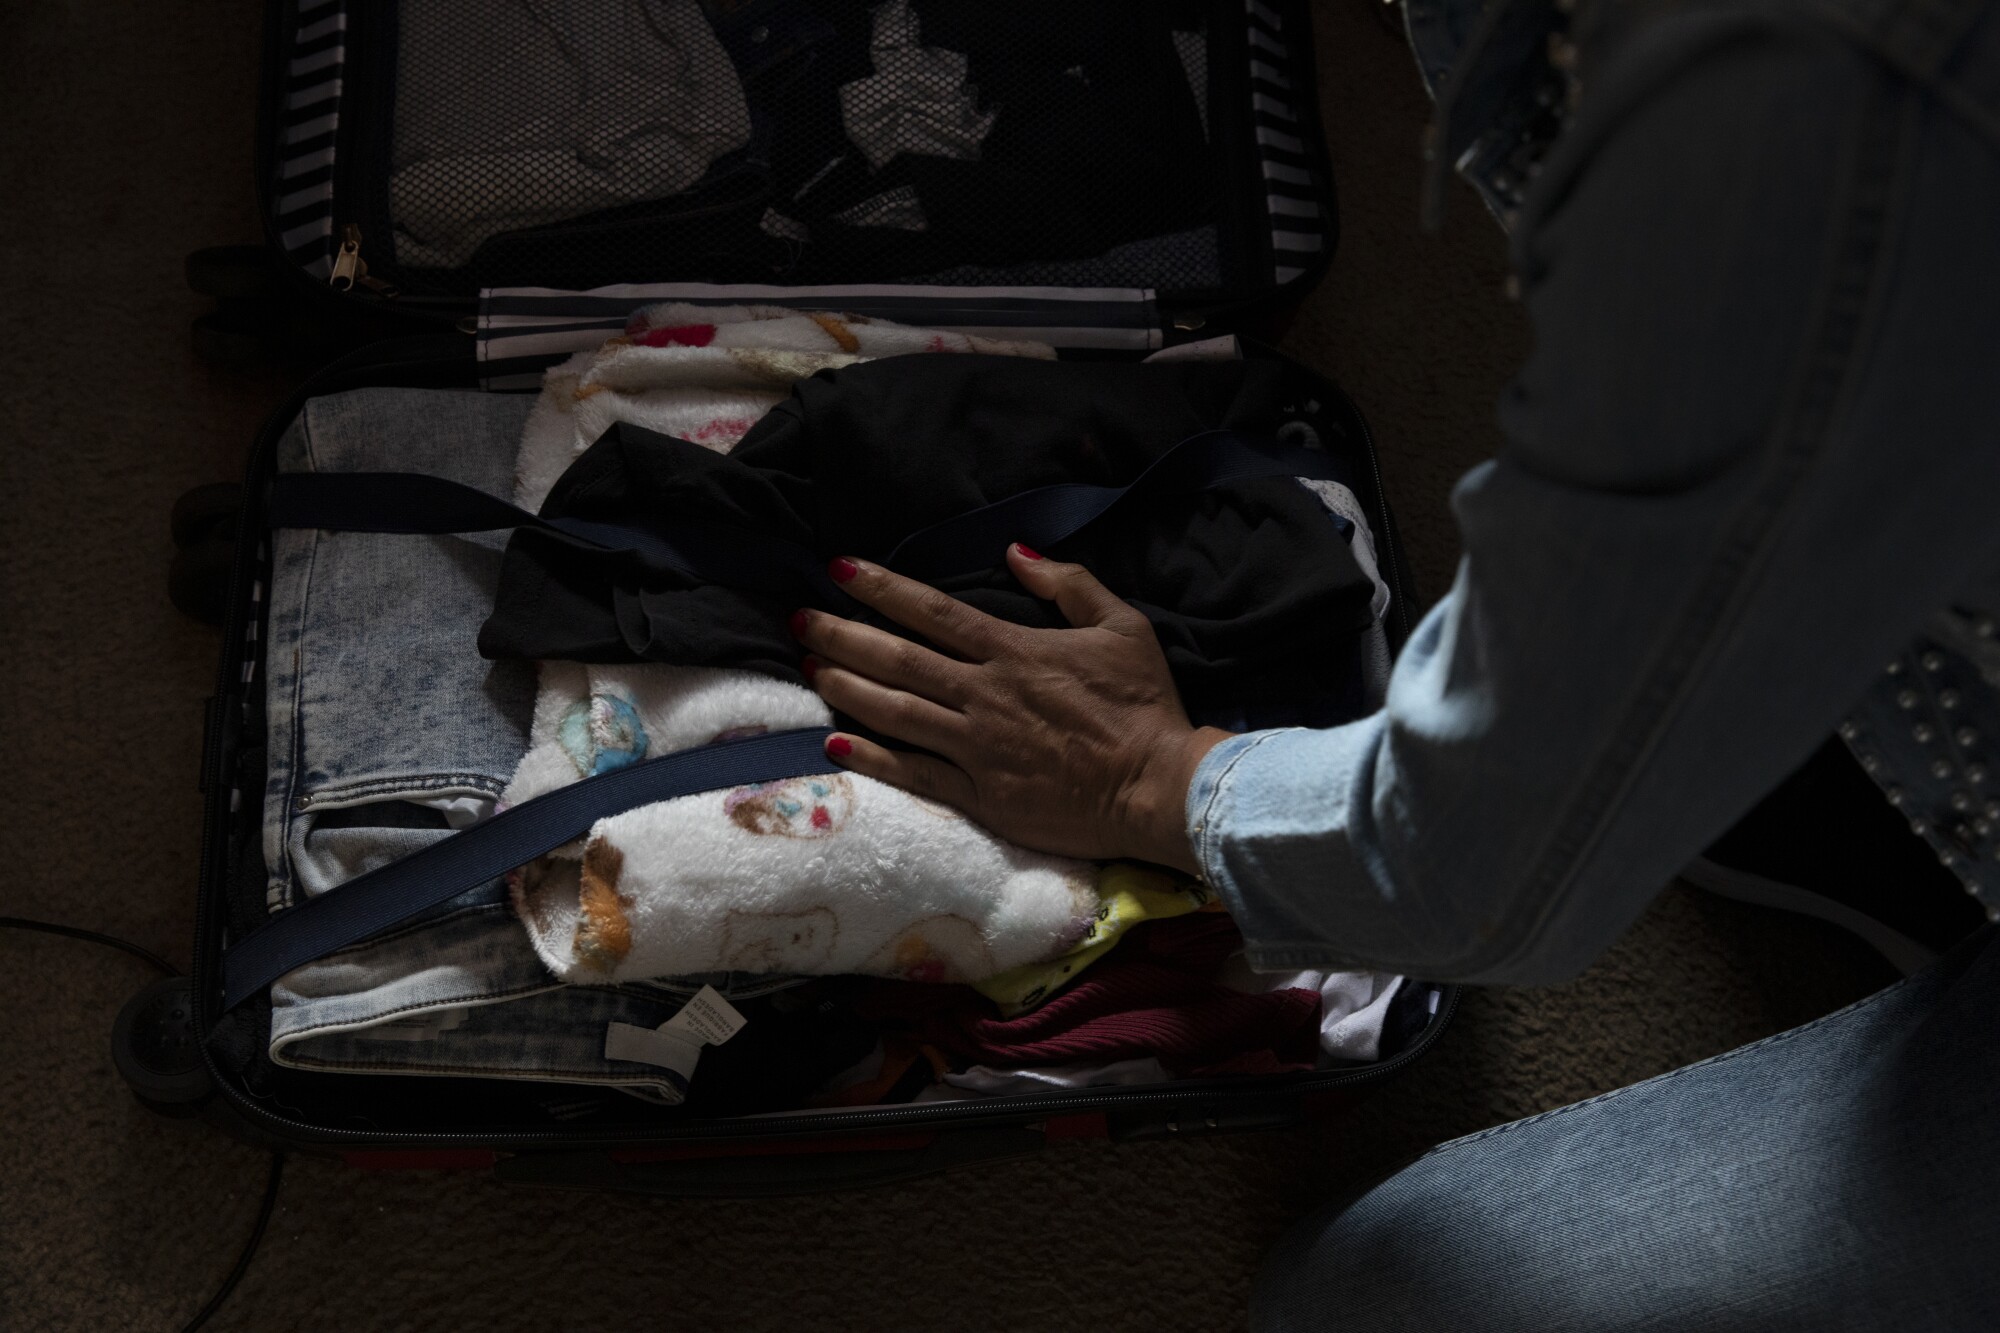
x,y
939,617
893,712
883,656
923,774
1081,598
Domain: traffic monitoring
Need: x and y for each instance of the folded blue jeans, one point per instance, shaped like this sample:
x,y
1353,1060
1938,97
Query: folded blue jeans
x,y
374,691
387,731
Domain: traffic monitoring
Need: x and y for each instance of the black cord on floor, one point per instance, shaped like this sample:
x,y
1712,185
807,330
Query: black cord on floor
x,y
79,933
271,1182
222,1293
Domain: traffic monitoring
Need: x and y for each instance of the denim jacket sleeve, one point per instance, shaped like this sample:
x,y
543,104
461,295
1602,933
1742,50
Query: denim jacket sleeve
x,y
1752,262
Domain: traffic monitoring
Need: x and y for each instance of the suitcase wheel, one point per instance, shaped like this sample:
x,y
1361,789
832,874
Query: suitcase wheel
x,y
156,1050
198,579
206,510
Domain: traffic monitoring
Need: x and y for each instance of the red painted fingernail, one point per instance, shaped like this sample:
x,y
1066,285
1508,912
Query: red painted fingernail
x,y
839,746
842,569
811,667
798,623
1027,551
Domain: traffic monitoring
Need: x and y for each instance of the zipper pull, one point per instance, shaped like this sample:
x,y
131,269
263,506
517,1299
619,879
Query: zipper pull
x,y
350,270
347,265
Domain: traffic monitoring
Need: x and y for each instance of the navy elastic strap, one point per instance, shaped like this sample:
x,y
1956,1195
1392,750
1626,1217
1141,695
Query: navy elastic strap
x,y
416,502
736,558
1042,517
371,903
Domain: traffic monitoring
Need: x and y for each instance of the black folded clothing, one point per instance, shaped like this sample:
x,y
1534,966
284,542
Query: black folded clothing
x,y
1250,586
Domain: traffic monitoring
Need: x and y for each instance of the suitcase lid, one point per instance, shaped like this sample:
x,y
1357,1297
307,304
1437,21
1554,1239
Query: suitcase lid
x,y
534,187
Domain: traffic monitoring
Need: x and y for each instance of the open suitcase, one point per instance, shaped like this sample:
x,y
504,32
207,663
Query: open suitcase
x,y
512,290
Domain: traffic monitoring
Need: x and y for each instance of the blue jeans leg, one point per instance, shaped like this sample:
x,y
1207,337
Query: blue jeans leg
x,y
1844,1174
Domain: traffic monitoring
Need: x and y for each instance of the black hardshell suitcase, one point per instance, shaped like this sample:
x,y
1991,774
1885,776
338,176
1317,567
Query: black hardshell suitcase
x,y
603,1140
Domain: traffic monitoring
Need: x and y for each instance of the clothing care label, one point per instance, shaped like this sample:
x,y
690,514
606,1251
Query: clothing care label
x,y
705,1020
709,1018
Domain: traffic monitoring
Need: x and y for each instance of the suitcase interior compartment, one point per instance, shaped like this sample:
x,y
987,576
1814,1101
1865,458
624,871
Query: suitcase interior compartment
x,y
429,149
329,1108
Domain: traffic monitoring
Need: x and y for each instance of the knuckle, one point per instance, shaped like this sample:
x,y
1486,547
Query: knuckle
x,y
909,661
831,684
935,605
906,709
925,779
825,631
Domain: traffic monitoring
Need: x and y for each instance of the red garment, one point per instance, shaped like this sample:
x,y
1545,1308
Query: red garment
x,y
1154,995
679,335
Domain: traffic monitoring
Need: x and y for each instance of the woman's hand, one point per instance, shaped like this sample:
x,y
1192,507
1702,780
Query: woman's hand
x,y
1072,741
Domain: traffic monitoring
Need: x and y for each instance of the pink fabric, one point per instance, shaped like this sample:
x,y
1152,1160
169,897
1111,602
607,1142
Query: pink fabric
x,y
681,335
1154,995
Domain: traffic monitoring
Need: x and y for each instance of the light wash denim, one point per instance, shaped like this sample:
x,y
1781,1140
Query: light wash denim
x,y
377,699
375,690
1747,497
1755,450
463,994
1837,1176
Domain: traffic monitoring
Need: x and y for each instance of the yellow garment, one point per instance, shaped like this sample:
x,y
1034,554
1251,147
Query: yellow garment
x,y
1126,895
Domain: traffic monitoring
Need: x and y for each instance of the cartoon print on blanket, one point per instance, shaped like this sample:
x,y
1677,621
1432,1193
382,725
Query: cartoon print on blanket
x,y
820,874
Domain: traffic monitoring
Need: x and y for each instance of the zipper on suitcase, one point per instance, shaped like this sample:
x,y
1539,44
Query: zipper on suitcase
x,y
350,270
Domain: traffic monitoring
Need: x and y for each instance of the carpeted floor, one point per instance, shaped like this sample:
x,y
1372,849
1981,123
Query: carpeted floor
x,y
125,143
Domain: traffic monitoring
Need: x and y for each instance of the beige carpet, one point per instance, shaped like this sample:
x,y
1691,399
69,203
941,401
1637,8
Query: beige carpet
x,y
125,142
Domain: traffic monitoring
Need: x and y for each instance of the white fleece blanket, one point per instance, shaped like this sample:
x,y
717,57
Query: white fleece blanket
x,y
828,874
706,374
834,873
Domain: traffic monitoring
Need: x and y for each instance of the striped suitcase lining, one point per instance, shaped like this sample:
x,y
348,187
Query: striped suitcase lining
x,y
523,329
1291,191
310,114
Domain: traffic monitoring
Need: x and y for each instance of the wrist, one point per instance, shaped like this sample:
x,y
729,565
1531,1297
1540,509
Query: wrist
x,y
1156,812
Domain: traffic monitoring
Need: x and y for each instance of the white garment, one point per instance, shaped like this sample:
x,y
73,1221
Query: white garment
x,y
916,101
1352,1005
